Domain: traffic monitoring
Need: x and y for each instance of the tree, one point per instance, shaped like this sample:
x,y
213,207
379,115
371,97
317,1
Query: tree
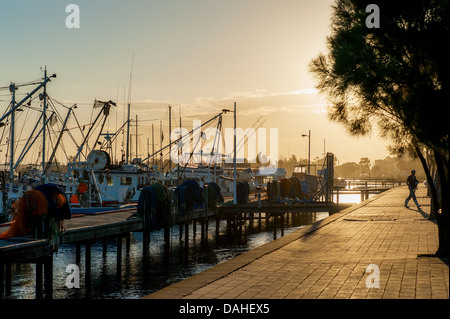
x,y
349,169
395,76
364,164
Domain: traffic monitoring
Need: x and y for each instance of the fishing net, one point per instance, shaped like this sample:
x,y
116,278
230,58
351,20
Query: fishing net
x,y
32,203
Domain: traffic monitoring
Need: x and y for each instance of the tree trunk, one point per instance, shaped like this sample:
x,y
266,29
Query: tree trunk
x,y
442,216
440,206
431,185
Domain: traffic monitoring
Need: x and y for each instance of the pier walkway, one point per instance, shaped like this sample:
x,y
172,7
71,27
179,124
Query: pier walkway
x,y
377,249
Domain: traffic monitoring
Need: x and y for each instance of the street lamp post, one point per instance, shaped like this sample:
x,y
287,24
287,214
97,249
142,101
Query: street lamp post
x,y
309,149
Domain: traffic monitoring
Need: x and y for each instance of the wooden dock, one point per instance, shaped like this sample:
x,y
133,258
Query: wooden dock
x,y
267,207
365,191
78,229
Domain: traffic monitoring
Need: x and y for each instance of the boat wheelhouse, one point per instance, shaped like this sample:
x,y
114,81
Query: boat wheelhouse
x,y
97,183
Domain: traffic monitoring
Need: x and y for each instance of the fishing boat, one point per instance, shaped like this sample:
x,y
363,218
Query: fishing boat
x,y
94,181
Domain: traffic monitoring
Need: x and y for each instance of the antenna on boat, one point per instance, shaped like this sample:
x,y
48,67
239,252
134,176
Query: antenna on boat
x,y
128,112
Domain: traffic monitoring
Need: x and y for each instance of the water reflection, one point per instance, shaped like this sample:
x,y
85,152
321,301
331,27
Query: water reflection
x,y
349,198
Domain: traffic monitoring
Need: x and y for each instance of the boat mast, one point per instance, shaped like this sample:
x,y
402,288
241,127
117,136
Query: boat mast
x,y
128,136
128,115
137,136
12,89
153,144
180,151
161,136
234,159
44,125
170,142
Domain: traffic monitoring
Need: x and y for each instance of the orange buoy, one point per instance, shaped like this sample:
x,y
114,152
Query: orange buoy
x,y
82,187
74,199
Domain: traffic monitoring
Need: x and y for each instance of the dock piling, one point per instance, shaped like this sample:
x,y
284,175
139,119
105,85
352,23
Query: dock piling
x,y
186,234
48,276
167,236
119,255
2,280
105,246
38,274
145,242
87,264
127,242
77,253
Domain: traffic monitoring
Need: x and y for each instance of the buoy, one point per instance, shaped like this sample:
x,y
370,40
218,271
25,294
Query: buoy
x,y
74,199
82,187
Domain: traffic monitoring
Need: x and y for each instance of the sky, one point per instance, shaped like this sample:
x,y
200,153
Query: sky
x,y
199,56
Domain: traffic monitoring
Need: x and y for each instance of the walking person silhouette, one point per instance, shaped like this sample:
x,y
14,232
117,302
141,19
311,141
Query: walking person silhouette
x,y
412,183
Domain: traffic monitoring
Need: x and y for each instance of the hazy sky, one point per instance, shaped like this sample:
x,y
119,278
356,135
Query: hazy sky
x,y
198,55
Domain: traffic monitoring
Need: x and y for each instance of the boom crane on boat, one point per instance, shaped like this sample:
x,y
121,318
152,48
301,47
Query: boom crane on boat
x,y
182,137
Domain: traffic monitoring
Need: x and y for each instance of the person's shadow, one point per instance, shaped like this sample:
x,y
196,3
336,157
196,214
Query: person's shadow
x,y
421,211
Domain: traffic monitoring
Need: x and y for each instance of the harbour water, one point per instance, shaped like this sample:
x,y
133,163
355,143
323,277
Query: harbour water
x,y
164,265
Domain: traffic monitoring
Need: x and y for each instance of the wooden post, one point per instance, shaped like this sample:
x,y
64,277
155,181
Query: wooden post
x,y
48,276
259,220
127,242
38,279
7,279
167,235
274,226
239,223
186,235
194,228
78,254
119,256
202,232
217,227
180,232
2,280
145,241
87,265
105,246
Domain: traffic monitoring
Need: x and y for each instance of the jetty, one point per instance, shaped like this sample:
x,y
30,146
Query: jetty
x,y
377,249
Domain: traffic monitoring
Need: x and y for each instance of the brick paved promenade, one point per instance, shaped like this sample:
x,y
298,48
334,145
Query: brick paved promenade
x,y
329,259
